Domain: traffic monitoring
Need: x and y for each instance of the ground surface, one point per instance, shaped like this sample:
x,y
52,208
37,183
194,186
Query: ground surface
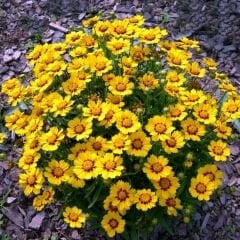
x,y
215,23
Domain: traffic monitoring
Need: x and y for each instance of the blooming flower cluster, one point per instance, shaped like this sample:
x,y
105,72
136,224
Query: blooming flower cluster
x,y
119,125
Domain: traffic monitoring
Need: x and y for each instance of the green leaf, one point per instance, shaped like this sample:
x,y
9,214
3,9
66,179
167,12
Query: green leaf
x,y
96,195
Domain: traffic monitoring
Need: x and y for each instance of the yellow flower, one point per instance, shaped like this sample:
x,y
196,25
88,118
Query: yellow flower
x,y
140,144
177,112
31,181
173,142
86,165
119,143
211,171
194,70
138,53
88,41
29,160
127,122
79,128
76,150
90,21
210,63
118,45
148,82
177,57
205,113
173,90
74,179
82,75
120,28
48,195
73,38
145,199
157,167
51,140
48,100
121,86
12,118
201,188
136,20
16,95
102,28
112,223
110,166
2,137
123,195
193,130
99,64
176,78
78,52
32,143
97,145
159,127
107,205
61,106
223,131
117,100
172,203
166,45
152,35
95,109
42,82
57,68
77,64
166,186
73,86
74,217
38,203
192,97
231,108
36,53
56,172
219,150
186,43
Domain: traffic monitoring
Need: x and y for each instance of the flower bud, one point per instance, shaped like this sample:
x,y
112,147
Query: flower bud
x,y
190,156
154,221
137,167
186,219
2,156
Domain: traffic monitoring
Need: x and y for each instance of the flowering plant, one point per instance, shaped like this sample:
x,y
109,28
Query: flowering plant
x,y
119,124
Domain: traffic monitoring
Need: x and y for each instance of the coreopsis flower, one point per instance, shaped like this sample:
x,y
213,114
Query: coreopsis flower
x,y
118,45
107,205
78,52
219,150
148,82
61,106
76,150
35,54
29,160
152,35
95,110
210,63
176,78
177,57
117,100
51,139
79,128
32,143
120,28
201,187
16,95
194,70
145,199
173,142
122,194
222,130
34,126
138,54
110,166
119,143
173,90
156,167
159,127
101,28
136,20
74,179
90,21
192,129
99,64
166,186
98,145
38,203
74,217
177,112
192,97
113,223
48,100
31,181
57,68
73,38
205,113
140,144
77,64
73,86
211,171
56,172
88,41
186,43
86,165
121,86
48,195
127,122
231,108
2,137
172,203
166,45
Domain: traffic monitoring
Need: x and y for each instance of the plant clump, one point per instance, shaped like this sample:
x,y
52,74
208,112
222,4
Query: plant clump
x,y
119,124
